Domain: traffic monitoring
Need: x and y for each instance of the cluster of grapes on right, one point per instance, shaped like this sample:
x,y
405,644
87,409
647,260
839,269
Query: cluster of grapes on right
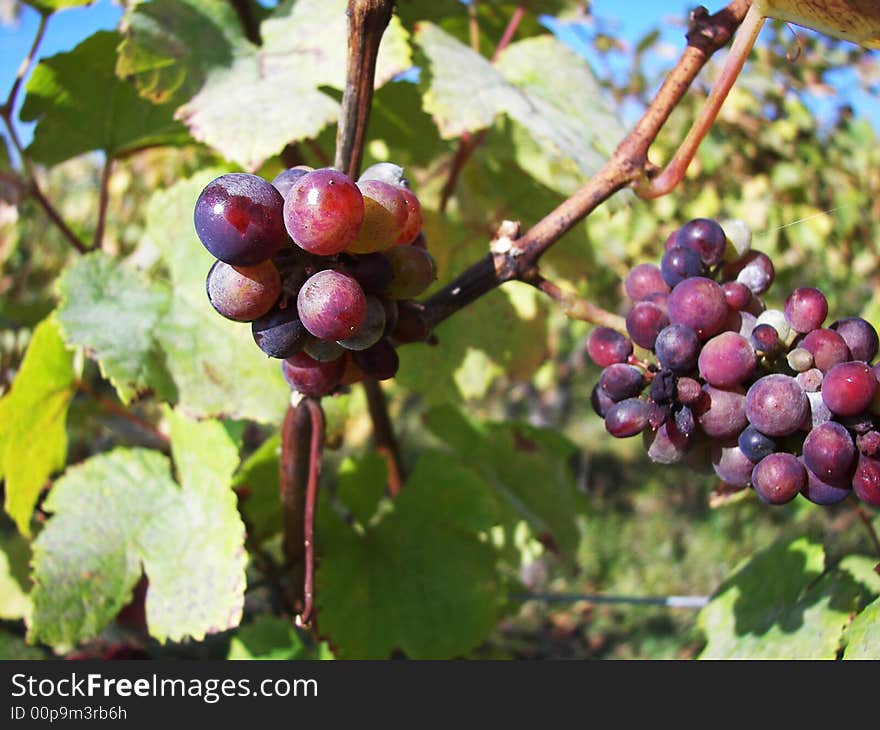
x,y
767,398
320,265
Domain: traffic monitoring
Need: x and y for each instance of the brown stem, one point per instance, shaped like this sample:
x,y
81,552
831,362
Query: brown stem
x,y
293,478
367,20
577,307
56,218
248,21
103,200
626,166
26,65
474,26
869,526
316,448
383,433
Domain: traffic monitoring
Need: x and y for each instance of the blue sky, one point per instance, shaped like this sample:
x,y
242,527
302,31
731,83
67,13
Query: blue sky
x,y
69,27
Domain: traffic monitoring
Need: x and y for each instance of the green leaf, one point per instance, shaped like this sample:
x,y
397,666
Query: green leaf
x,y
539,83
49,6
272,638
258,484
215,366
14,581
528,468
422,580
276,88
863,636
119,513
33,438
362,484
14,648
80,105
113,312
781,604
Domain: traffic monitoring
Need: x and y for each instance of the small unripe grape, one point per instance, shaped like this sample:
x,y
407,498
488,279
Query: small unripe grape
x,y
385,217
413,270
243,293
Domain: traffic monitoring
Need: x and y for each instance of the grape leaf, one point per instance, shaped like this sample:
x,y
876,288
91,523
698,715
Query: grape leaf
x,y
421,581
527,467
119,513
257,482
33,437
539,83
80,105
114,312
14,648
362,484
272,638
863,636
14,581
782,604
214,363
279,83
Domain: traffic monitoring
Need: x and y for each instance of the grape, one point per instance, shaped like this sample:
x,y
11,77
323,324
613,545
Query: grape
x,y
776,319
619,381
323,211
379,361
765,339
238,218
739,237
414,218
279,333
670,241
662,387
779,478
392,308
776,405
732,466
657,414
353,372
801,360
661,299
721,412
600,401
688,390
699,303
626,418
413,271
285,179
606,346
371,270
754,269
748,323
644,322
243,293
385,217
310,377
827,347
643,280
806,309
372,329
331,305
737,295
705,237
727,359
386,172
848,388
680,263
859,335
866,481
822,493
829,452
666,445
323,350
754,444
869,443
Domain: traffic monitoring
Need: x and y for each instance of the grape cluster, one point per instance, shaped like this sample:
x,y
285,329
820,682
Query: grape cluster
x,y
318,264
767,398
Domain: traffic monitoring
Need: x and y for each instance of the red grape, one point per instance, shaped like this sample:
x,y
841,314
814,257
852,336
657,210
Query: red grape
x,y
331,305
323,211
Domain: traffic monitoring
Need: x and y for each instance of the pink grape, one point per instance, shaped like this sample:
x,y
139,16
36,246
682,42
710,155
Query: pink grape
x,y
323,211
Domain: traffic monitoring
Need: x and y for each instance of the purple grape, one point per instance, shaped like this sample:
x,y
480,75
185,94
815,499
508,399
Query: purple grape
x,y
392,310
827,347
238,218
721,412
662,387
699,303
243,293
379,361
644,322
869,443
677,348
371,270
776,405
806,309
643,280
727,359
733,323
661,299
666,445
279,333
755,270
829,452
606,346
737,295
310,377
765,339
859,335
600,401
657,414
732,466
627,418
331,305
688,391
323,211
866,481
685,422
285,179
779,478
372,329
849,388
680,263
705,237
822,493
755,445
619,381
